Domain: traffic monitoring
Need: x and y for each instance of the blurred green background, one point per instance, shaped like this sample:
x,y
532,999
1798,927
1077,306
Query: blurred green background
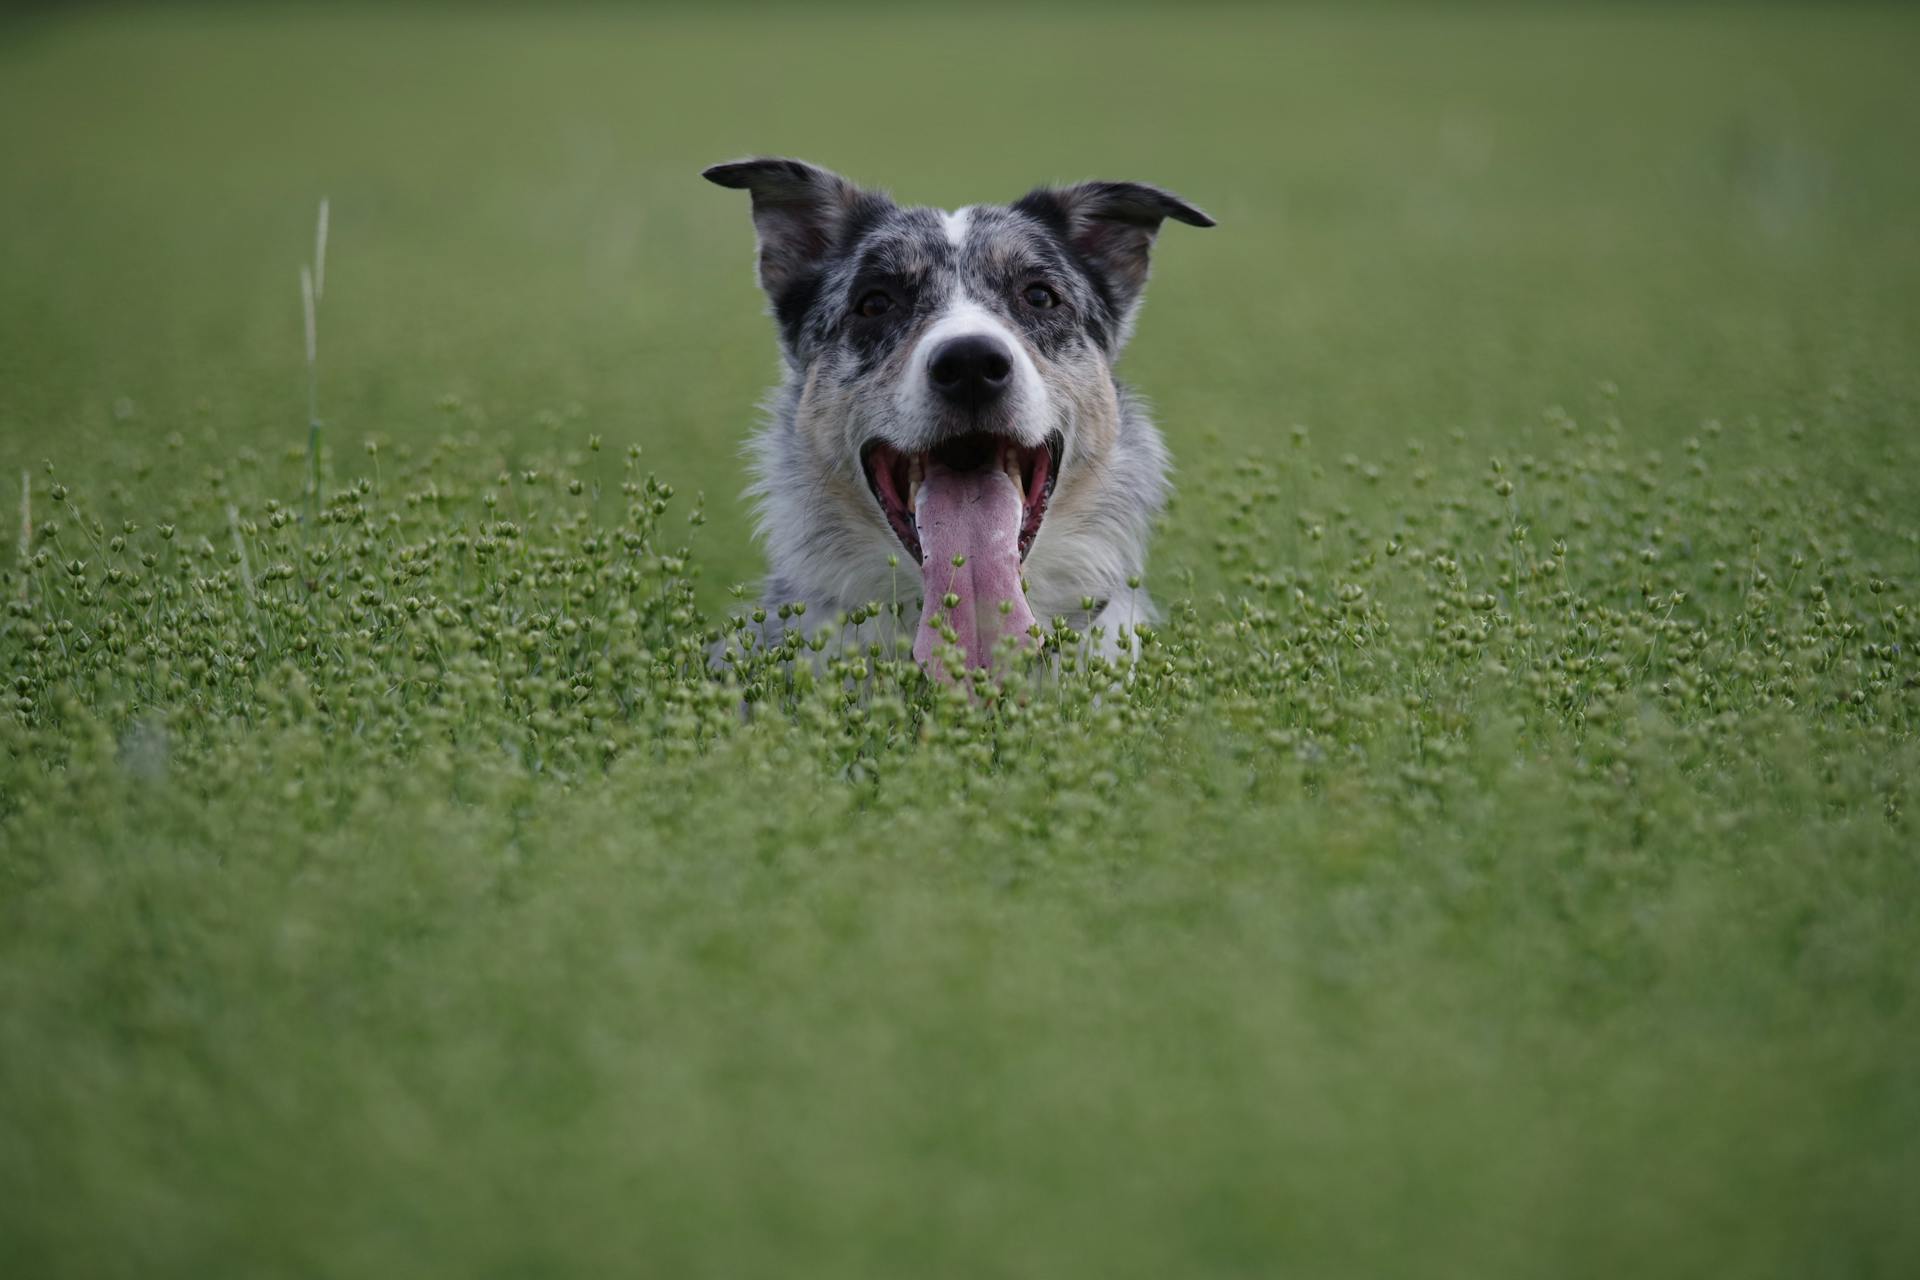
x,y
711,1020
1432,217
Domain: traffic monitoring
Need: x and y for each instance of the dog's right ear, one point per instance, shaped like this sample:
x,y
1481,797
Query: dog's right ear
x,y
800,213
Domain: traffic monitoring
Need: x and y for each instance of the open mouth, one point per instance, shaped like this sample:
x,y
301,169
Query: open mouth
x,y
967,511
898,479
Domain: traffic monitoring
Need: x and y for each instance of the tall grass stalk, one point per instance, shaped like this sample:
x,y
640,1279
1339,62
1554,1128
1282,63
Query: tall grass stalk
x,y
313,285
240,551
320,255
26,525
313,394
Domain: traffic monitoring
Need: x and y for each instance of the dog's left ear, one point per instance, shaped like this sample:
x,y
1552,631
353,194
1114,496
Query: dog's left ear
x,y
1111,225
800,213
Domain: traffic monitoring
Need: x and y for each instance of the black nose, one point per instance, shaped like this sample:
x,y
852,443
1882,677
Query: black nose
x,y
971,371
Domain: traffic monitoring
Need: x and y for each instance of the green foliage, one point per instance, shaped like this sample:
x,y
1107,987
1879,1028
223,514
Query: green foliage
x,y
1585,606
1592,748
1499,861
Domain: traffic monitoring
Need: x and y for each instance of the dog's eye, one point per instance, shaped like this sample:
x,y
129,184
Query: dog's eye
x,y
1039,297
875,303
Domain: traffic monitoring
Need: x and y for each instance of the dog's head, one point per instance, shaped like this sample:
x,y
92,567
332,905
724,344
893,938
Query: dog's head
x,y
940,356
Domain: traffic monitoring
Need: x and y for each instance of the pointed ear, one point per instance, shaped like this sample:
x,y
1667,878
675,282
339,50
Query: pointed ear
x,y
800,213
1111,225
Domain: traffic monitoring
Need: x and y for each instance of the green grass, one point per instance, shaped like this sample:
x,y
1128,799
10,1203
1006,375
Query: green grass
x,y
1500,863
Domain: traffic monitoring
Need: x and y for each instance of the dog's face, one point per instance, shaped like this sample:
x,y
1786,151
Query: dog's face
x,y
933,349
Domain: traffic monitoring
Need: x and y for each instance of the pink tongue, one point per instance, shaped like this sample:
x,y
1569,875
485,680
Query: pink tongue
x,y
975,514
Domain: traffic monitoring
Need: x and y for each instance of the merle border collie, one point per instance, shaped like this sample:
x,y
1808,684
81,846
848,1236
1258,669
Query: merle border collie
x,y
949,406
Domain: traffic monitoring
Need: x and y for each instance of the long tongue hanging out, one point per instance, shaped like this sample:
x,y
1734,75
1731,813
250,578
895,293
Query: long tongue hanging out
x,y
976,515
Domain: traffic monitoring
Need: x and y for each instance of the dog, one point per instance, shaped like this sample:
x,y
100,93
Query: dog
x,y
949,404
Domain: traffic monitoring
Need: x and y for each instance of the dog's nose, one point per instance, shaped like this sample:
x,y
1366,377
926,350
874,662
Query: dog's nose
x,y
971,371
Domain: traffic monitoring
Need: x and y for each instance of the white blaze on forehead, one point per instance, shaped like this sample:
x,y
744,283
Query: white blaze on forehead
x,y
963,315
957,223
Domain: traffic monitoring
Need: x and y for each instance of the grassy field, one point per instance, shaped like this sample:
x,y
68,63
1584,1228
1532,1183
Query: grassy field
x,y
1501,863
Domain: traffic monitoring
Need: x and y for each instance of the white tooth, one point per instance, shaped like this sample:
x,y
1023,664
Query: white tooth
x,y
1012,469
